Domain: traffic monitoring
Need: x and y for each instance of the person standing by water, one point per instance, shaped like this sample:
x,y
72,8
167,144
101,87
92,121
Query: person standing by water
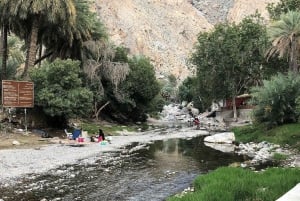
x,y
197,122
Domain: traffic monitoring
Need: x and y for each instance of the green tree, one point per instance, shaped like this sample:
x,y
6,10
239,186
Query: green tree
x,y
59,91
34,13
121,55
140,88
276,100
4,25
285,37
66,41
283,6
186,90
15,56
169,90
229,60
105,69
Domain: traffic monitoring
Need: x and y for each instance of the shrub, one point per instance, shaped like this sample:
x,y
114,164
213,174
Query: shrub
x,y
276,100
59,91
186,89
140,87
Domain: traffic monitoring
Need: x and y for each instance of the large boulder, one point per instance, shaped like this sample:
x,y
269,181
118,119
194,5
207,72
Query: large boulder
x,y
222,138
226,148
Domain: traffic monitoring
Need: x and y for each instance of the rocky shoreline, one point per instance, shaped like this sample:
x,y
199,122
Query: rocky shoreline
x,y
259,153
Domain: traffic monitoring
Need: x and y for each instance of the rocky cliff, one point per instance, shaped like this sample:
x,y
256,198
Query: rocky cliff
x,y
166,30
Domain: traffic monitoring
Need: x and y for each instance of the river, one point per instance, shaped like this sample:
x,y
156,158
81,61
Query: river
x,y
149,172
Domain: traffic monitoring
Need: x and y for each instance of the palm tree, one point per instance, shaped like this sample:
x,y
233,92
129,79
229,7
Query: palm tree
x,y
35,13
16,55
4,50
87,27
285,37
4,24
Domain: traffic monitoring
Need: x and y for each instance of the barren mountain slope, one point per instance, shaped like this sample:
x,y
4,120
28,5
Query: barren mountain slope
x,y
166,30
243,8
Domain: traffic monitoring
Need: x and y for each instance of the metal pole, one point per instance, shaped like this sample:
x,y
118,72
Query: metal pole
x,y
25,121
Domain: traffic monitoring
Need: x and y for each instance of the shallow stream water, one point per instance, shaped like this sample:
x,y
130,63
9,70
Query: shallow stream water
x,y
152,172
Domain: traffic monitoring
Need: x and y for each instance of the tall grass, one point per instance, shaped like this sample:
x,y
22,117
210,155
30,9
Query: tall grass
x,y
282,135
93,128
237,184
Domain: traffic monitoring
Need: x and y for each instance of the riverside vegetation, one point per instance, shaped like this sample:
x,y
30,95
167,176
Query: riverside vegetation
x,y
276,97
101,79
229,183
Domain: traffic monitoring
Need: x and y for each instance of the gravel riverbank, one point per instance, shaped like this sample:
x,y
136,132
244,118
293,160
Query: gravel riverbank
x,y
15,163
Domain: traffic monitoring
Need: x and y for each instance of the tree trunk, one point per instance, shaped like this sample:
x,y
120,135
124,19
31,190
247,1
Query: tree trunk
x,y
234,108
99,110
41,58
32,46
293,64
4,51
40,55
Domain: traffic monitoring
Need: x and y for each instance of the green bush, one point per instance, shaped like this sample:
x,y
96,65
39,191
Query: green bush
x,y
141,87
186,89
276,100
59,91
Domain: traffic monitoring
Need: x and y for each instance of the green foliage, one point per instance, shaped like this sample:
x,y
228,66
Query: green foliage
x,y
279,157
172,80
156,105
93,128
276,100
237,184
169,88
121,55
15,56
281,7
141,82
230,59
141,87
58,89
284,35
282,135
251,133
186,89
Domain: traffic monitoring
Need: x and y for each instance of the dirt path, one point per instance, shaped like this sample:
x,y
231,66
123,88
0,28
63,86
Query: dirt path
x,y
17,140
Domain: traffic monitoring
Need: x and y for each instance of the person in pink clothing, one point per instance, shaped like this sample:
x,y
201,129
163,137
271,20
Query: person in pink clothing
x,y
98,138
101,135
197,122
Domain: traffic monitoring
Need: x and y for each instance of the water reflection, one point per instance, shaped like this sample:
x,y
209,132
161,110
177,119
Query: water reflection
x,y
155,172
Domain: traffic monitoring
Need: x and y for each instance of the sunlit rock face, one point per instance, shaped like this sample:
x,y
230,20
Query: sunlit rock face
x,y
166,30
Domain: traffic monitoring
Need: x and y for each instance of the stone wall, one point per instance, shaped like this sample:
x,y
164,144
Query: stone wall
x,y
243,114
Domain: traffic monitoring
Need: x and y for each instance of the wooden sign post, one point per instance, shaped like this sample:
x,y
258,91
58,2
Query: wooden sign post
x,y
18,94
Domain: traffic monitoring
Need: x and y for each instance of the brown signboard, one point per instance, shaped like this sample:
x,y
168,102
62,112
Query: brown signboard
x,y
17,93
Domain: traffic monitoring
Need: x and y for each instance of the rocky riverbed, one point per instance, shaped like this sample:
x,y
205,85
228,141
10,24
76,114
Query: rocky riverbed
x,y
15,163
